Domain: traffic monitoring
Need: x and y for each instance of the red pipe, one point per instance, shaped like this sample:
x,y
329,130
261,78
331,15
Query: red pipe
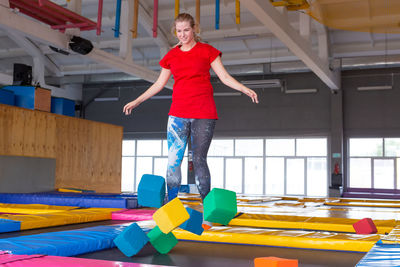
x,y
155,18
99,16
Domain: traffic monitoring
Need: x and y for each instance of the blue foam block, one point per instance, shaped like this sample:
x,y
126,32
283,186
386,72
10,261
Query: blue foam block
x,y
7,97
151,191
9,226
194,223
24,95
63,106
131,240
184,188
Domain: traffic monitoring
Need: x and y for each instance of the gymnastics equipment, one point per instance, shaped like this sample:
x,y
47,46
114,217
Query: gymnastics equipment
x,y
163,243
220,206
151,191
170,216
193,224
365,226
131,240
275,262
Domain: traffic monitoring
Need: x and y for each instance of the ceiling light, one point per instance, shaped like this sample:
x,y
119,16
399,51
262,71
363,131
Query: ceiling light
x,y
374,88
273,83
227,94
106,99
301,91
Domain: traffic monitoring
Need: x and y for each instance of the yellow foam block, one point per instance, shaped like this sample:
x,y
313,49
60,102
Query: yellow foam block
x,y
32,208
170,216
283,238
60,218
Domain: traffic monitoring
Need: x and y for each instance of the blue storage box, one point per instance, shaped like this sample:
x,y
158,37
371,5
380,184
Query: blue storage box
x,y
63,106
24,95
7,97
30,97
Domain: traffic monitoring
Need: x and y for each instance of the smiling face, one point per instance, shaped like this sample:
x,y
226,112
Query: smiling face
x,y
184,32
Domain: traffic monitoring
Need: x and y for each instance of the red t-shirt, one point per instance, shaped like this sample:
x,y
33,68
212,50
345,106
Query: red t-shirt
x,y
192,95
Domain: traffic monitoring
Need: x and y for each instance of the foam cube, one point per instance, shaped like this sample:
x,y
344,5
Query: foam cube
x,y
163,243
131,240
151,191
275,262
365,226
170,216
194,223
220,206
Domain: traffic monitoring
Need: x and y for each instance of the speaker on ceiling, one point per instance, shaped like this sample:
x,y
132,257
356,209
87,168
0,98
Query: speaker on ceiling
x,y
22,74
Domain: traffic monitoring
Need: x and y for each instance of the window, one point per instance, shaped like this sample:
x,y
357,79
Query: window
x,y
373,163
273,166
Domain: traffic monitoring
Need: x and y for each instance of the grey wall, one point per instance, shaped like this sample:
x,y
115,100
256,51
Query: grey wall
x,y
26,175
277,113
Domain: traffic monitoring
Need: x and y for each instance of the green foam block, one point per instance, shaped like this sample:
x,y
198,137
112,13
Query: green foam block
x,y
220,206
163,243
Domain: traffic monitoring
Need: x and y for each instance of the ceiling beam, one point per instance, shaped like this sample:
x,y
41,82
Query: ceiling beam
x,y
272,19
43,33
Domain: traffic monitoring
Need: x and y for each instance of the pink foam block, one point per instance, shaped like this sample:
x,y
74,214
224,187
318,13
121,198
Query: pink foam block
x,y
133,215
365,226
8,260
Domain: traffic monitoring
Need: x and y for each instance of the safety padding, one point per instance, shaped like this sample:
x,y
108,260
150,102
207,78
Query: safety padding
x,y
194,223
86,200
275,262
131,240
65,243
220,206
151,191
60,218
66,199
170,216
283,238
365,226
9,225
133,215
163,243
381,255
33,208
9,260
304,222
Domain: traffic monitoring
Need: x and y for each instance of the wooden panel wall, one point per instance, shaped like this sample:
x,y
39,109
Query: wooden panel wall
x,y
88,154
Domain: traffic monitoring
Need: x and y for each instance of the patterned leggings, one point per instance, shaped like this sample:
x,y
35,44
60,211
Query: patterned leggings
x,y
201,132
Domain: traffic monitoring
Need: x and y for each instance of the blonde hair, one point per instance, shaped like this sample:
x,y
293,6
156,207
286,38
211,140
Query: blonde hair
x,y
187,17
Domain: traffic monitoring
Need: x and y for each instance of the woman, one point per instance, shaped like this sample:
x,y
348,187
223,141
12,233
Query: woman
x,y
193,110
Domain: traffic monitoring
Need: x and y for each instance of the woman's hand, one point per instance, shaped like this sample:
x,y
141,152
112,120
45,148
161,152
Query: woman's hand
x,y
250,93
128,107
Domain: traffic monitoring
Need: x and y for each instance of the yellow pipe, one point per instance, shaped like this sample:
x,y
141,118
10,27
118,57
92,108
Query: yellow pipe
x,y
176,8
135,19
198,14
237,11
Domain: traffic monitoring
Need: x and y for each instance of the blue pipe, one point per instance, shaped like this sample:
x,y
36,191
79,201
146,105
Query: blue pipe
x,y
217,14
117,19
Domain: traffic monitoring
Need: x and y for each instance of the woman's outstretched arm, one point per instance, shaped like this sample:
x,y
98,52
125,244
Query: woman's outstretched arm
x,y
154,89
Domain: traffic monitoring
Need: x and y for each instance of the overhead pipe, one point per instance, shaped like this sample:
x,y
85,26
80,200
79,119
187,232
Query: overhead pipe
x,y
217,14
176,8
135,19
198,15
99,17
117,19
155,18
237,11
